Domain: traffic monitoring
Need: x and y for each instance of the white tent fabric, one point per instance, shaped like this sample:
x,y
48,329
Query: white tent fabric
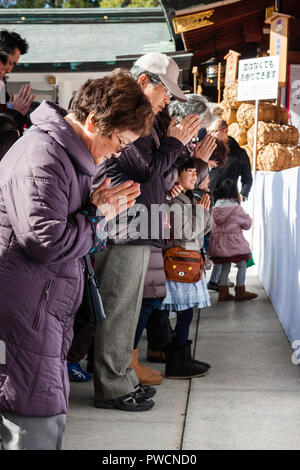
x,y
276,243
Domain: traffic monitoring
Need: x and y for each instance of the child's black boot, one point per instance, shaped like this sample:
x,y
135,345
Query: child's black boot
x,y
178,366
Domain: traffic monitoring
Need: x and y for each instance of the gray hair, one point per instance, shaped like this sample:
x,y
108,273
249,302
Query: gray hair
x,y
137,71
196,104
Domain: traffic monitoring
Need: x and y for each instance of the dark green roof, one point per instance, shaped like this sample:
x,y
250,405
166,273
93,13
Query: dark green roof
x,y
172,5
80,15
79,36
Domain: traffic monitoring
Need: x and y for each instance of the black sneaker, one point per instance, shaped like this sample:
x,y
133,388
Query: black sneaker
x,y
130,402
145,391
213,286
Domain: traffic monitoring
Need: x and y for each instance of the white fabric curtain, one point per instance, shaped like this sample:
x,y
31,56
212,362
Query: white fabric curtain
x,y
276,243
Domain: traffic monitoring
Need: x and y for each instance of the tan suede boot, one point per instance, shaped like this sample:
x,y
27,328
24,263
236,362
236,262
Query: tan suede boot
x,y
145,375
156,356
224,294
241,294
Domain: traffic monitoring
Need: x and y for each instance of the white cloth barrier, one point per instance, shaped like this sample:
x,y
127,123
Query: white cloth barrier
x,y
276,243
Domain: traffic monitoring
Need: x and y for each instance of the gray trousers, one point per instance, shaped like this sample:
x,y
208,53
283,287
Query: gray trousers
x,y
215,274
240,276
32,432
121,271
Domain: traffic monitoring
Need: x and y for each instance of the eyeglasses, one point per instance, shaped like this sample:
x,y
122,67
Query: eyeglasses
x,y
122,146
168,93
219,130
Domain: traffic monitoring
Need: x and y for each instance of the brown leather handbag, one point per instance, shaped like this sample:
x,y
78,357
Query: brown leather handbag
x,y
183,265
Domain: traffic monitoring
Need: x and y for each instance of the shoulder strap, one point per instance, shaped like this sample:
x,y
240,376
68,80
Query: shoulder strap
x,y
89,265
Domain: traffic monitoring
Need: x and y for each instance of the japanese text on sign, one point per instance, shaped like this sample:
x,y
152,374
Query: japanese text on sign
x,y
258,78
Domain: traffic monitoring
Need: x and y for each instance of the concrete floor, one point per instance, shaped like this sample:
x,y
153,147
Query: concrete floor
x,y
249,400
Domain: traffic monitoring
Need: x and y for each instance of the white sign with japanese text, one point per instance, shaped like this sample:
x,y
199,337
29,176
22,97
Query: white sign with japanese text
x,y
258,78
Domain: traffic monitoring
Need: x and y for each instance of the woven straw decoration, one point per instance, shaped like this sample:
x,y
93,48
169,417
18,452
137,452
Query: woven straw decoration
x,y
277,157
267,112
219,109
230,96
229,115
246,114
281,115
238,133
275,133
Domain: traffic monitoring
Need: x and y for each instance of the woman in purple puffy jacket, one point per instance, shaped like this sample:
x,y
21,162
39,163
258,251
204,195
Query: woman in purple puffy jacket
x,y
50,219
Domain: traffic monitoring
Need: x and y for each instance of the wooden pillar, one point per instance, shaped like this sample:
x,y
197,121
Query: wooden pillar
x,y
195,73
219,82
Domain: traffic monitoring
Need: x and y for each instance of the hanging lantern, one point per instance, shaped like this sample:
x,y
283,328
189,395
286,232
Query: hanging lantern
x,y
211,71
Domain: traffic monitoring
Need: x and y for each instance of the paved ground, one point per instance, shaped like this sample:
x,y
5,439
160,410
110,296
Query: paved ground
x,y
249,400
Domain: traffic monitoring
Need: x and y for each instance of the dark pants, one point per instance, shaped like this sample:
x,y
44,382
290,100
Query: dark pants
x,y
182,329
148,305
81,344
159,330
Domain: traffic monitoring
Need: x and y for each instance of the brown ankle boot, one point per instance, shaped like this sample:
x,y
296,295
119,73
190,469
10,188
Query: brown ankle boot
x,y
145,375
224,294
241,294
154,355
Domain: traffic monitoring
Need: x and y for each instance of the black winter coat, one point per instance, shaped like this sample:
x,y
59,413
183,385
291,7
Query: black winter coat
x,y
237,165
145,162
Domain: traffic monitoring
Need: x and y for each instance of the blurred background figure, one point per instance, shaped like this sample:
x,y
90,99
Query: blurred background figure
x,y
237,166
12,46
9,134
196,104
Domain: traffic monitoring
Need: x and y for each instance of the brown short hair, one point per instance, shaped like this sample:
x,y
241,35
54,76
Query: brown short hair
x,y
116,102
220,153
221,124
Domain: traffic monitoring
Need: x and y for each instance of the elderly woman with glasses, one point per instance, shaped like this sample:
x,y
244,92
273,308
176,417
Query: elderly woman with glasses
x,y
50,219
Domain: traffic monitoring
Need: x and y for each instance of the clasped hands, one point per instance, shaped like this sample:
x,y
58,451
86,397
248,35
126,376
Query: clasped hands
x,y
187,129
112,201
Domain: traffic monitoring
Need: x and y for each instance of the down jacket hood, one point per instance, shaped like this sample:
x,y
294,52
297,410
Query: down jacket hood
x,y
50,118
220,214
226,236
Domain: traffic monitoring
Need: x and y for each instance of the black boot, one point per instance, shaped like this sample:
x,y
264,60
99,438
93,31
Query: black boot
x,y
159,330
179,367
190,358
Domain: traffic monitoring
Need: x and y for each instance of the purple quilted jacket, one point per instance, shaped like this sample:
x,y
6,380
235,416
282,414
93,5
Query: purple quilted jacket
x,y
45,180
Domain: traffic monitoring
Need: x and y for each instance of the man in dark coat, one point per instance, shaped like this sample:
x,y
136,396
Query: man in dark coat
x,y
237,165
121,272
12,46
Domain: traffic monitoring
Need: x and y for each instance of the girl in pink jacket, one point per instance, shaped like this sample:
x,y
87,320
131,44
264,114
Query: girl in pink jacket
x,y
227,243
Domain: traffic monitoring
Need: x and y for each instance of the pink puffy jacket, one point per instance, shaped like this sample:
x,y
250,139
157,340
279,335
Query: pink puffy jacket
x,y
226,235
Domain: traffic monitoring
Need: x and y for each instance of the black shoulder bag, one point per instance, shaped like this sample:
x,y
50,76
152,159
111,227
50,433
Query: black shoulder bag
x,y
91,311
